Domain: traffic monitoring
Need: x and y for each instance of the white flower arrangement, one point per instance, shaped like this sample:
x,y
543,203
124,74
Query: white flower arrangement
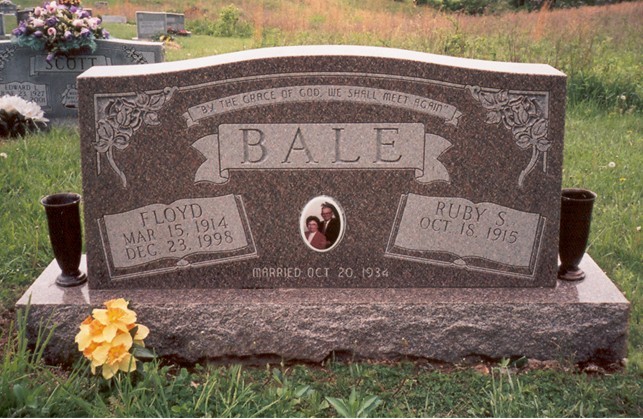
x,y
18,116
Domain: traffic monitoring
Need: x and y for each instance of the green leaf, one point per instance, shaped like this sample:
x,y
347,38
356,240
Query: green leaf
x,y
340,407
142,353
302,391
368,405
20,394
520,362
133,331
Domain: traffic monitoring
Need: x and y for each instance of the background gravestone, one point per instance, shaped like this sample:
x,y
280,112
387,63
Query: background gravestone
x,y
114,19
52,85
22,15
7,7
175,21
150,24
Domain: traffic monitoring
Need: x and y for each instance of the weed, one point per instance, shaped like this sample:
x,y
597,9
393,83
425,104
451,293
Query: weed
x,y
356,406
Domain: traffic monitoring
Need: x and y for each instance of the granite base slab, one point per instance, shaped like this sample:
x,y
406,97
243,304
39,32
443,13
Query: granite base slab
x,y
586,321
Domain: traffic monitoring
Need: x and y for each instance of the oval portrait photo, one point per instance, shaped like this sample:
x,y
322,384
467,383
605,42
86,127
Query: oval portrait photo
x,y
322,223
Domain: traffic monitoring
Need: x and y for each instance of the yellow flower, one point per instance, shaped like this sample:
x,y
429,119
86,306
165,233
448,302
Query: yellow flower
x,y
115,356
141,333
116,317
88,352
90,331
107,352
126,363
105,338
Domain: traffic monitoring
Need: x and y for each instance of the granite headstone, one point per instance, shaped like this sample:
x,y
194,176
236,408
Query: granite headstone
x,y
296,204
175,21
52,85
22,15
150,25
440,172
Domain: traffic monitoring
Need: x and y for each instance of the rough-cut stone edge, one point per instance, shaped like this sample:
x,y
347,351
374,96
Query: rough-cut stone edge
x,y
584,321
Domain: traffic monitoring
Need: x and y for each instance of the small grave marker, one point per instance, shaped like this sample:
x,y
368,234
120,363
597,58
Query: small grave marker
x,y
22,15
8,7
114,19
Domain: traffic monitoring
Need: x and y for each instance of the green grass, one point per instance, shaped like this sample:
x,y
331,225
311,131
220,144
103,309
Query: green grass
x,y
594,142
187,47
201,46
34,167
28,388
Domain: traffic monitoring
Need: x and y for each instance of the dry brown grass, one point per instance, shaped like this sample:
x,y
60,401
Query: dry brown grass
x,y
406,25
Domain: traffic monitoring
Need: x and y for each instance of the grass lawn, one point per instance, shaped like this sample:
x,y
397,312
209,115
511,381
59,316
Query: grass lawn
x,y
603,152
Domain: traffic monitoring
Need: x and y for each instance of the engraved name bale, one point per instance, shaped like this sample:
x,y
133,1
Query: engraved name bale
x,y
52,84
322,167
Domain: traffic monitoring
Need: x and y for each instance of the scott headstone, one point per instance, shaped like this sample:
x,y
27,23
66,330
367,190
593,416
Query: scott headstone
x,y
52,84
440,172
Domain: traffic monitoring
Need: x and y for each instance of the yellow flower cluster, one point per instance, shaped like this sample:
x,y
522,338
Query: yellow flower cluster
x,y
105,338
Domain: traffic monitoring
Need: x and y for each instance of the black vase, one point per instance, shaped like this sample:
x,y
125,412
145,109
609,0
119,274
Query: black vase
x,y
575,220
63,218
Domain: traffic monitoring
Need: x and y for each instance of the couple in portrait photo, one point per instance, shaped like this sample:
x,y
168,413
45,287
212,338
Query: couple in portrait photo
x,y
322,234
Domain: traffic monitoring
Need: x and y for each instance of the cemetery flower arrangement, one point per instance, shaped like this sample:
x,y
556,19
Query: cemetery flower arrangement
x,y
18,116
110,338
59,29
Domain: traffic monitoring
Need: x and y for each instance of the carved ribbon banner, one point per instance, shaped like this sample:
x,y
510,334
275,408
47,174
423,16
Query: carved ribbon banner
x,y
321,146
323,93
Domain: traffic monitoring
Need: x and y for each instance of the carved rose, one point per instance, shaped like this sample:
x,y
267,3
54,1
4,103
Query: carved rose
x,y
110,136
519,111
125,113
521,114
534,135
122,118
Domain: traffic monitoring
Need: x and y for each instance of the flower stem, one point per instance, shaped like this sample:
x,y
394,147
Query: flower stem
x,y
530,166
110,158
